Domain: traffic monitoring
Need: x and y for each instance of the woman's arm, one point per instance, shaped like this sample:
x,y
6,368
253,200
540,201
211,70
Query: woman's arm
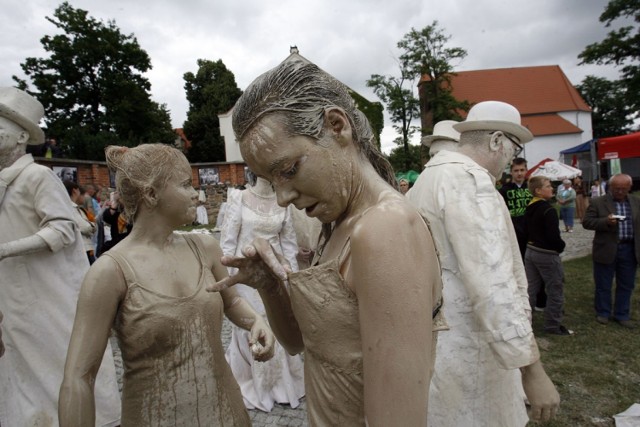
x,y
102,290
262,269
393,268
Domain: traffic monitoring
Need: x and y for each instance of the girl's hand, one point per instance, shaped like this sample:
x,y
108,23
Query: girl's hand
x,y
261,267
262,342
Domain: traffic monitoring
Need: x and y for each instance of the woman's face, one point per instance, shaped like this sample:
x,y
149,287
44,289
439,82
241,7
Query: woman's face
x,y
312,175
178,199
404,187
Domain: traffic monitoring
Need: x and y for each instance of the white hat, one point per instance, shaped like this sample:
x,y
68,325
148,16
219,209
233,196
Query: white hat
x,y
442,130
23,109
495,116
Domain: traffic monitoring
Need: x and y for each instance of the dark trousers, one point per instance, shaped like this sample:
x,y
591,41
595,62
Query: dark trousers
x,y
545,269
624,269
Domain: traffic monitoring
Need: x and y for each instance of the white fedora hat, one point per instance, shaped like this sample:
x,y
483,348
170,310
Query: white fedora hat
x,y
23,109
442,130
496,116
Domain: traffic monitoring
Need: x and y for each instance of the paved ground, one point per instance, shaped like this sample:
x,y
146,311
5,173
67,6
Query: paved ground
x,y
578,245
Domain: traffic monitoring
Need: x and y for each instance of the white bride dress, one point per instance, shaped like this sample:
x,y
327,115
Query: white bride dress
x,y
254,213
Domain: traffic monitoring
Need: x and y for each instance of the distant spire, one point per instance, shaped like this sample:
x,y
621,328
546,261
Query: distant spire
x,y
293,49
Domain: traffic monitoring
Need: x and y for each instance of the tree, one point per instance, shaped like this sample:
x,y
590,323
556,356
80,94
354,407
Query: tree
x,y
401,104
211,91
424,58
621,48
92,86
374,111
611,113
414,161
427,58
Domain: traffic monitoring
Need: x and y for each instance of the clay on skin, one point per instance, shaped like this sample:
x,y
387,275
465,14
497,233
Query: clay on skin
x,y
361,309
150,287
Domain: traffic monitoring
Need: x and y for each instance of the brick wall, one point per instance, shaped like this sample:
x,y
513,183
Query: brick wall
x,y
97,173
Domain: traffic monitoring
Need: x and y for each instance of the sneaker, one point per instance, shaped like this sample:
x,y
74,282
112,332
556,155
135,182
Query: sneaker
x,y
626,324
561,330
570,231
602,320
536,308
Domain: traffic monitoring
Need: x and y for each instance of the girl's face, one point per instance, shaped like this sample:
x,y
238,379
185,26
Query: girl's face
x,y
546,191
178,199
314,175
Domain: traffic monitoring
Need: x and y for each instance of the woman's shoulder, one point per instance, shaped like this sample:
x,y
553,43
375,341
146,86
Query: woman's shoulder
x,y
392,214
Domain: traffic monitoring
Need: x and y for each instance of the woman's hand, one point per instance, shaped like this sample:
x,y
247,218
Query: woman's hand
x,y
261,267
262,341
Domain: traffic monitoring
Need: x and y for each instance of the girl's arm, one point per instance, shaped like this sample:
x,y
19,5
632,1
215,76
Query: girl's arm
x,y
239,311
102,291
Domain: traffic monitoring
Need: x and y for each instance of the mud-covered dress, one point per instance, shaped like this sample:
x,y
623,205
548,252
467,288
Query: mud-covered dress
x,y
327,313
175,373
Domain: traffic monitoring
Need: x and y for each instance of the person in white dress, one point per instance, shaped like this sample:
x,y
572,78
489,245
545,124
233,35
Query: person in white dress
x,y
254,213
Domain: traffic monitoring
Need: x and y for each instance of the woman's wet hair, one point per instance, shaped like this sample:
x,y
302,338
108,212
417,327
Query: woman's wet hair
x,y
301,93
139,169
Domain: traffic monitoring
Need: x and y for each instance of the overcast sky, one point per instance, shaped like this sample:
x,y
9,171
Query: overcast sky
x,y
350,39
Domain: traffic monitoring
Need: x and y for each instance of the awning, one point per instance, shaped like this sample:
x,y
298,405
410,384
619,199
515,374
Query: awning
x,y
619,147
585,147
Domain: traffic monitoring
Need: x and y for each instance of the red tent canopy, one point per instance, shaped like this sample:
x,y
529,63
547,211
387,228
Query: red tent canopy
x,y
619,147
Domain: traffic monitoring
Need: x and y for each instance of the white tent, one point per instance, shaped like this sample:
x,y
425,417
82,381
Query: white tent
x,y
554,170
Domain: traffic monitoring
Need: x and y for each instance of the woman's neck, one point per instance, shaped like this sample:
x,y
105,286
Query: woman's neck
x,y
262,188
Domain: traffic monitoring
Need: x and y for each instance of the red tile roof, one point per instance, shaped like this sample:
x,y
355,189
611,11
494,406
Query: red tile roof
x,y
537,92
532,90
549,124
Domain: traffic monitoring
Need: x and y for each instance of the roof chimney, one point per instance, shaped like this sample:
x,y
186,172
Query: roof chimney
x,y
293,49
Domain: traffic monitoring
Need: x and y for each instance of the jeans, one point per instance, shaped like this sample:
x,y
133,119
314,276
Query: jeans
x,y
624,270
545,269
566,213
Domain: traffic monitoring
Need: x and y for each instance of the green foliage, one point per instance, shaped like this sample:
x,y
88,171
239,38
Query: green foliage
x,y
373,111
401,103
92,86
611,115
412,159
426,57
211,91
621,48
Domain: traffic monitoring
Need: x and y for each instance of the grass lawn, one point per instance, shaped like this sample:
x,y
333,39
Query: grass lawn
x,y
596,371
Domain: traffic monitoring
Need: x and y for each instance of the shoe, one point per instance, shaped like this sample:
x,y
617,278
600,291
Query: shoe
x,y
602,320
626,324
570,231
561,330
536,308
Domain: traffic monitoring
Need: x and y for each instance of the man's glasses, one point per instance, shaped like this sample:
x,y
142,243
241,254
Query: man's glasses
x,y
519,147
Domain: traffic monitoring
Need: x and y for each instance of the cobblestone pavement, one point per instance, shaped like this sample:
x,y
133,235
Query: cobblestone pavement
x,y
578,245
578,242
